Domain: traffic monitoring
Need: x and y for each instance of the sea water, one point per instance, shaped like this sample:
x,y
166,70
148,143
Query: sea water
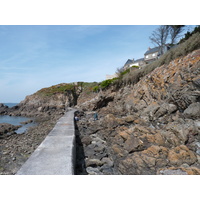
x,y
10,104
15,120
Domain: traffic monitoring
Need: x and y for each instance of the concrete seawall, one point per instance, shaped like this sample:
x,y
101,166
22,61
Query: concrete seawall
x,y
56,154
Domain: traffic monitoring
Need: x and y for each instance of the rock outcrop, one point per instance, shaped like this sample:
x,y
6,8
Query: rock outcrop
x,y
7,129
46,102
3,109
152,127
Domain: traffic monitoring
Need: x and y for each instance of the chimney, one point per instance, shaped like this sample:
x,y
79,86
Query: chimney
x,y
149,48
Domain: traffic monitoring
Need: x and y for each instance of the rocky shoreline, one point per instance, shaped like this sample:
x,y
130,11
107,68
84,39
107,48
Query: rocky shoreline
x,y
15,149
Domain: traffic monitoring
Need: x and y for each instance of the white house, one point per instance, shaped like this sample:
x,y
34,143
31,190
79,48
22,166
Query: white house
x,y
153,54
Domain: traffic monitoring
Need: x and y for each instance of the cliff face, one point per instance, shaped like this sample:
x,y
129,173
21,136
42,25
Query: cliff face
x,y
47,101
152,127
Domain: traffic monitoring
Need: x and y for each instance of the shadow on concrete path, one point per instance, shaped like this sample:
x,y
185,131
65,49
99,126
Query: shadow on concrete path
x,y
80,168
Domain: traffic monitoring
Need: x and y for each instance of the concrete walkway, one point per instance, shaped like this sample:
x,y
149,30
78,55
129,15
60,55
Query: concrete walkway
x,y
56,154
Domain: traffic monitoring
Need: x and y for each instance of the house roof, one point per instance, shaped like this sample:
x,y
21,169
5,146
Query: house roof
x,y
153,50
138,60
129,61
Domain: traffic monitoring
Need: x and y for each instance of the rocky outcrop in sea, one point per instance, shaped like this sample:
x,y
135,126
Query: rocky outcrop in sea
x,y
3,109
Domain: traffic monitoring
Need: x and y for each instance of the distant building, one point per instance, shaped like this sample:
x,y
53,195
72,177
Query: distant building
x,y
150,55
128,64
139,62
153,54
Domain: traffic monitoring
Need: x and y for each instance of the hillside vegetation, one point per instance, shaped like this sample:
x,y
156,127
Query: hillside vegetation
x,y
133,76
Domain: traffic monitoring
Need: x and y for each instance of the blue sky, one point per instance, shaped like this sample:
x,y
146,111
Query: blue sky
x,y
33,57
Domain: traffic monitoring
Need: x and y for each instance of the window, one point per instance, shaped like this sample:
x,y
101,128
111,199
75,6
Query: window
x,y
147,56
154,55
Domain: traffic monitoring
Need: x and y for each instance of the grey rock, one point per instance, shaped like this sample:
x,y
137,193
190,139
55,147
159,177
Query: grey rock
x,y
89,152
107,161
173,172
107,170
93,171
100,155
172,108
197,82
86,140
133,144
197,124
93,162
99,148
193,111
198,151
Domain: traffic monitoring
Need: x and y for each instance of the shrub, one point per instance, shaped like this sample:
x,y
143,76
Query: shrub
x,y
95,89
105,83
89,86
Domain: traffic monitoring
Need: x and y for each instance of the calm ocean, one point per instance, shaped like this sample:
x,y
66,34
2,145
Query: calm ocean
x,y
15,120
10,104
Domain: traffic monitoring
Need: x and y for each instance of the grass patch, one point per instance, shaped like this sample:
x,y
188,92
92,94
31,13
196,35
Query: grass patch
x,y
55,89
89,87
